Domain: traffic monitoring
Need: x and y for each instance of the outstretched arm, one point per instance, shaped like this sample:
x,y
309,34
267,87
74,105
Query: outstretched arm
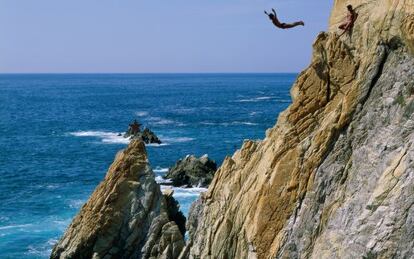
x,y
274,12
266,13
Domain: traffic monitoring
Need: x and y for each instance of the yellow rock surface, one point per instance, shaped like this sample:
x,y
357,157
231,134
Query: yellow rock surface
x,y
256,192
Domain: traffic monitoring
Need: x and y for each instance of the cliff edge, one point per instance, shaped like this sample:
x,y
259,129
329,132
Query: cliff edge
x,y
334,178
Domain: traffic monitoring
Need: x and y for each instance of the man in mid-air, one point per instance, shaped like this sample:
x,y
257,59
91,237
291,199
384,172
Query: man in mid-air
x,y
277,23
349,22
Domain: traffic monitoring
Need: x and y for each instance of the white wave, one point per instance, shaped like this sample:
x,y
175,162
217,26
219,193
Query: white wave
x,y
160,121
180,192
160,180
106,137
265,98
76,204
247,123
52,241
89,133
176,140
62,222
244,123
42,250
208,123
117,138
141,114
157,145
163,121
256,99
254,113
16,226
4,218
184,110
160,170
47,186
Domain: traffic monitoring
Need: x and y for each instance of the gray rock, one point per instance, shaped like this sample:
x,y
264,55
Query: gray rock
x,y
192,171
147,136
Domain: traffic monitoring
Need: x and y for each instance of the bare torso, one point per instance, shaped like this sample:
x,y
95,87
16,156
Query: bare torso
x,y
277,23
350,18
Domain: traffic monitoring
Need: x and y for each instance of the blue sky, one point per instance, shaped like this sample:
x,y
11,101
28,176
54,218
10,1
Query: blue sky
x,y
156,36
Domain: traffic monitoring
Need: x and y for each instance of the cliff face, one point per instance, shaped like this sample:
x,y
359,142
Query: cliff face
x,y
127,216
335,176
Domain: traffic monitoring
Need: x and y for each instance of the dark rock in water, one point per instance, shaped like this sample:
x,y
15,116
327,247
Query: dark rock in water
x,y
192,171
149,137
146,135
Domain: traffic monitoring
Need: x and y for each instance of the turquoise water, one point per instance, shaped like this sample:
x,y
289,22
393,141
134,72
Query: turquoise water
x,y
59,136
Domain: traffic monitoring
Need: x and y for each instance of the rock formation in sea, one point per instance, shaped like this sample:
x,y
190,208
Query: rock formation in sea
x,y
149,137
127,216
192,171
334,178
146,135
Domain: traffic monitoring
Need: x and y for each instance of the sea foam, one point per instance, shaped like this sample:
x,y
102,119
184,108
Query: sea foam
x,y
141,113
106,137
160,170
180,192
256,99
117,138
226,124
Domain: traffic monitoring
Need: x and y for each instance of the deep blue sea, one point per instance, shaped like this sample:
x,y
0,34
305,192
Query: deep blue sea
x,y
59,134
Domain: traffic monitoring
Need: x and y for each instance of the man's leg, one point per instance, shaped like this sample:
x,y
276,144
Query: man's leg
x,y
291,25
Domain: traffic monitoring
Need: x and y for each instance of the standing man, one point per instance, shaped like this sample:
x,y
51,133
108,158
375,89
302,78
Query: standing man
x,y
349,22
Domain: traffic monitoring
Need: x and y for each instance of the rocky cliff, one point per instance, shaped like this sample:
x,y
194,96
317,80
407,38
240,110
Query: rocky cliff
x,y
335,177
127,216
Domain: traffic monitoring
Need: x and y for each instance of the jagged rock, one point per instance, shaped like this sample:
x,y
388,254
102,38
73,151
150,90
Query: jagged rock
x,y
126,216
174,213
146,135
149,137
192,171
194,219
335,177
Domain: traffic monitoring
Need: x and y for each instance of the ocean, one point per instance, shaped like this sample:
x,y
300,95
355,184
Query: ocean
x,y
59,135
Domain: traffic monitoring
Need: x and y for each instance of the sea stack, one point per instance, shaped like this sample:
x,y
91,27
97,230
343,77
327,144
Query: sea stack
x,y
127,216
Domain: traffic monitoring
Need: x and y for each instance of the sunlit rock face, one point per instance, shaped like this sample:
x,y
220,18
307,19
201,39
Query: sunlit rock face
x,y
334,178
127,216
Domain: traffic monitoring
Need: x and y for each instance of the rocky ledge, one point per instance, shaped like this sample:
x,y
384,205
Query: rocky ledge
x,y
192,172
126,216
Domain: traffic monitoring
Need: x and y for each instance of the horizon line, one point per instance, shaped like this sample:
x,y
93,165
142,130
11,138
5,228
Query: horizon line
x,y
136,73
